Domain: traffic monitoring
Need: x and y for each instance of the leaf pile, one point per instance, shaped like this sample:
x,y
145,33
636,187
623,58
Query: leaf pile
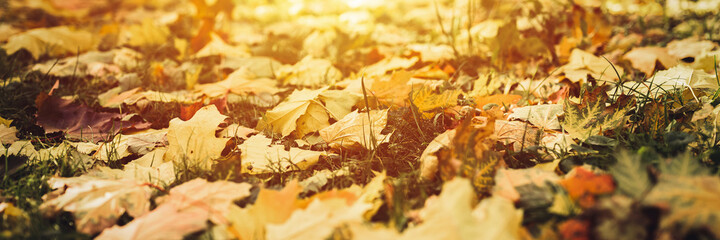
x,y
345,119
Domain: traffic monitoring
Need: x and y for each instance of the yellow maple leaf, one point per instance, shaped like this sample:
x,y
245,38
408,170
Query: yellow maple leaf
x,y
55,42
310,72
307,111
584,63
218,47
147,34
193,143
430,102
592,116
356,131
271,207
259,155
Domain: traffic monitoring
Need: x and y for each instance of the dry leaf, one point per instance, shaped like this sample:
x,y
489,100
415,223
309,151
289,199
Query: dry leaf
x,y
193,143
429,102
645,59
186,209
583,63
306,111
310,72
690,202
355,131
260,156
271,207
543,116
238,82
218,47
97,203
147,34
429,162
80,121
55,42
592,116
8,135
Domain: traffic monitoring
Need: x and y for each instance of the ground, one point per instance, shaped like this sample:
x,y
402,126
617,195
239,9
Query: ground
x,y
345,119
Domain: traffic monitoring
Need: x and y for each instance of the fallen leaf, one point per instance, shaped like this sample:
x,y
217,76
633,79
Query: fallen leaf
x,y
238,82
271,207
429,102
8,135
631,175
592,116
259,155
389,64
452,216
507,181
583,185
193,143
97,203
645,59
357,130
584,63
123,145
218,47
147,34
499,99
306,111
310,72
79,121
690,203
55,42
519,135
186,209
235,130
543,116
429,162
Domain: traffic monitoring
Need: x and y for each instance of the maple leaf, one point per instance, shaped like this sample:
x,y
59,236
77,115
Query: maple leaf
x,y
355,131
691,203
306,111
451,215
646,59
517,134
544,115
328,211
238,82
123,145
97,203
630,174
193,142
80,121
470,155
679,77
146,34
7,134
260,156
55,42
582,185
507,181
499,99
310,72
186,209
271,207
428,101
218,47
592,116
429,158
583,64
389,64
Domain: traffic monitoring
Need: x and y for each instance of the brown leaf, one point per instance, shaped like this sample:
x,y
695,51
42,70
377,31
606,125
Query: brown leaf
x,y
80,121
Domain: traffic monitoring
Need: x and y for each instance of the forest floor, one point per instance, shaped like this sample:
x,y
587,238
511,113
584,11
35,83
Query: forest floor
x,y
352,119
